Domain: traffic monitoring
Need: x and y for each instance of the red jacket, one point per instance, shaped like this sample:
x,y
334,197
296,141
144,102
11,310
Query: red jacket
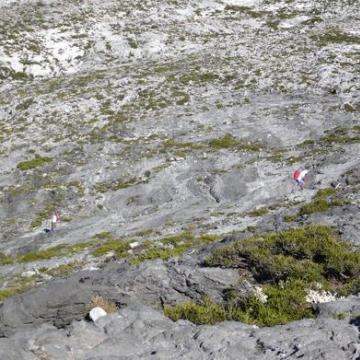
x,y
297,175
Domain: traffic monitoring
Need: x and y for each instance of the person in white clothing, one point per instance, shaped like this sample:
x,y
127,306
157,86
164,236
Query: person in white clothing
x,y
55,219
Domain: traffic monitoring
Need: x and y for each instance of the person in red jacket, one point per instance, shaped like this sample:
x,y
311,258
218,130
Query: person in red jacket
x,y
299,177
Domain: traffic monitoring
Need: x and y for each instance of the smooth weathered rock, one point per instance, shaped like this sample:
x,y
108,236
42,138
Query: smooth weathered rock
x,y
146,333
340,308
156,282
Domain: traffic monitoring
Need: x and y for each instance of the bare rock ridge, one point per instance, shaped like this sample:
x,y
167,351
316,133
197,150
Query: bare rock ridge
x,y
166,133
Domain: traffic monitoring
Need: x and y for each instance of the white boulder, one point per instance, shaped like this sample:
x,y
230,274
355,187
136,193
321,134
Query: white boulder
x,y
96,313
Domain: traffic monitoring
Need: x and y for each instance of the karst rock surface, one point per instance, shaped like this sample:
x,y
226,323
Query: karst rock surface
x,y
146,118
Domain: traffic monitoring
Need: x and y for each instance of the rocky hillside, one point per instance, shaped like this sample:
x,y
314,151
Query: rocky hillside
x,y
166,133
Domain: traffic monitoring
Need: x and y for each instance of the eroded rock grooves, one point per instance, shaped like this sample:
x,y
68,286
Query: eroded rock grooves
x,y
163,131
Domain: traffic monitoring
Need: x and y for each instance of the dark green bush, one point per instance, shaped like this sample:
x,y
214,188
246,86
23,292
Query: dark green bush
x,y
311,252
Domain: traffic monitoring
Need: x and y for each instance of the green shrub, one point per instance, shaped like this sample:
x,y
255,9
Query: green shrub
x,y
31,164
208,313
258,212
117,246
322,201
311,252
43,254
285,303
6,259
288,263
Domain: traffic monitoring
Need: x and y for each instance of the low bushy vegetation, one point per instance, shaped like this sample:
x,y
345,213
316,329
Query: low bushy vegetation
x,y
322,201
287,264
34,163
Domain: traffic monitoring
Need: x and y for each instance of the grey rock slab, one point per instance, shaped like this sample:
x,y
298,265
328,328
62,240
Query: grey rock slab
x,y
349,306
309,339
145,333
64,300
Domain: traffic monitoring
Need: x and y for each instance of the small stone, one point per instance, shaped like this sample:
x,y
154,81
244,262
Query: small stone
x,y
134,244
27,274
96,313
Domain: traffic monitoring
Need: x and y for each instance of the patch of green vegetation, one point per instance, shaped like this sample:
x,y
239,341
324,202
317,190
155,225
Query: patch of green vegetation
x,y
180,148
25,104
116,185
19,75
62,270
173,246
144,232
290,218
181,97
117,246
244,10
307,142
55,251
21,286
335,36
49,253
84,80
132,43
288,263
339,136
78,185
229,142
5,259
258,212
34,163
312,21
277,156
198,77
324,200
208,313
311,252
339,316
351,287
284,304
